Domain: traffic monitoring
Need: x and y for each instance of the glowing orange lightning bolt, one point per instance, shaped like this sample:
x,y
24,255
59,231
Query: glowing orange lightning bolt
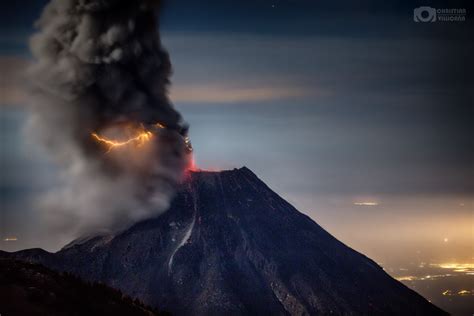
x,y
140,139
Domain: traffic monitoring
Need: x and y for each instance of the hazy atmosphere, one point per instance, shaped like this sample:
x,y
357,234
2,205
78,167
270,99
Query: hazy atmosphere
x,y
355,114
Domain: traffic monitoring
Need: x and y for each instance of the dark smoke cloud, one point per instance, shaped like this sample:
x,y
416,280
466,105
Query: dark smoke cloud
x,y
100,67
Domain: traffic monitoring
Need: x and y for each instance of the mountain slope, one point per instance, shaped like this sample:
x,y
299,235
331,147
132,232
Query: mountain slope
x,y
230,245
30,289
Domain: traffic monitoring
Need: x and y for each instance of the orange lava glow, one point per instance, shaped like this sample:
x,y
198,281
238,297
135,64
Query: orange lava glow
x,y
187,143
192,165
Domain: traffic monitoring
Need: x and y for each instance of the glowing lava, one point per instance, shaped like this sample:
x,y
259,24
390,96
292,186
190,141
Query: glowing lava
x,y
192,165
187,143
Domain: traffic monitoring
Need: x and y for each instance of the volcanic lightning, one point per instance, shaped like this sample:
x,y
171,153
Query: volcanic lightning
x,y
139,140
141,136
100,76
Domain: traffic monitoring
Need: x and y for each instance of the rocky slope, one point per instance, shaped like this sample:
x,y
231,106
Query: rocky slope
x,y
231,246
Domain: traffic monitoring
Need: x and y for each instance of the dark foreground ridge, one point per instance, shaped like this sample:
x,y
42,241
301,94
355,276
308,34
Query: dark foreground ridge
x,y
32,289
231,246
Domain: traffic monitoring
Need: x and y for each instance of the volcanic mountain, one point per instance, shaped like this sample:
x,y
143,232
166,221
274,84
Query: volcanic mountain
x,y
229,245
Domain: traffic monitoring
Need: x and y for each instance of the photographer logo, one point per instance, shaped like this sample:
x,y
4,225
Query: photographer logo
x,y
429,14
424,14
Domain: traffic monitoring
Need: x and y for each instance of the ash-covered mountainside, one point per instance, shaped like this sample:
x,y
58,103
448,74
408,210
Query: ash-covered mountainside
x,y
231,246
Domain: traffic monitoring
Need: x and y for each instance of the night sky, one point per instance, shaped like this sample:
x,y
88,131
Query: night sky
x,y
332,105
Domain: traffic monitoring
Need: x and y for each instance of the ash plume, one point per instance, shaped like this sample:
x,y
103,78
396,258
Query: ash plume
x,y
99,106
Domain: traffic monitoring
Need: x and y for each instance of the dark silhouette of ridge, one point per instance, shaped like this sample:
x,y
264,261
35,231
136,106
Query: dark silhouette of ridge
x,y
32,289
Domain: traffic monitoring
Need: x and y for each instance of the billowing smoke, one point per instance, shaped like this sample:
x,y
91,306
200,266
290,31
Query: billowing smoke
x,y
99,105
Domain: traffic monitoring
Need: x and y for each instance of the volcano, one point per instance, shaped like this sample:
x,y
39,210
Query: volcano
x,y
229,245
